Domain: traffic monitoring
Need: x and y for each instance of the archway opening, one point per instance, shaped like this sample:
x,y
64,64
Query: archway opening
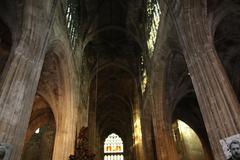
x,y
39,140
110,109
187,110
188,144
40,146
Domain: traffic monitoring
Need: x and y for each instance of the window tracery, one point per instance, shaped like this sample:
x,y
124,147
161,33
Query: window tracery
x,y
113,148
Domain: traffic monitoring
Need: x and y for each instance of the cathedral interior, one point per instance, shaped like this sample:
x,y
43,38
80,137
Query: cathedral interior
x,y
119,79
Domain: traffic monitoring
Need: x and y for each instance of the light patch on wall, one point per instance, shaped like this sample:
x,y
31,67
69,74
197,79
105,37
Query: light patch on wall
x,y
185,129
188,143
137,131
37,131
144,81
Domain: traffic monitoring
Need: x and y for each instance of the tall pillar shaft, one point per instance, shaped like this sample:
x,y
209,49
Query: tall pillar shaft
x,y
217,100
92,127
65,137
161,111
165,146
137,128
147,128
20,77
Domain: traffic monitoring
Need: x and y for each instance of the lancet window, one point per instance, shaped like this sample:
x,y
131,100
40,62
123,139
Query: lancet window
x,y
113,148
72,21
153,19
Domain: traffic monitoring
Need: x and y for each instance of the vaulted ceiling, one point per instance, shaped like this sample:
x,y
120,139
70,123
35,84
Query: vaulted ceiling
x,y
114,60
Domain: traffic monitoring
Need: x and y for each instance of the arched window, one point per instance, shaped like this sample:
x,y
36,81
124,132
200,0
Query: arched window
x,y
113,147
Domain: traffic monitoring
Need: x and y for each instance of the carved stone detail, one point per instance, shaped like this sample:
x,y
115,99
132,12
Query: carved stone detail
x,y
5,150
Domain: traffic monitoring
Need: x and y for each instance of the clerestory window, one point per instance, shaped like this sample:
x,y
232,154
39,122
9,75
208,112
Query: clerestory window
x,y
153,19
72,18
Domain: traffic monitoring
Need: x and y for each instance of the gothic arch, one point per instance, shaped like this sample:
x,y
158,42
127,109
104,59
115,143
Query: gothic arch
x,y
57,86
117,28
41,131
41,115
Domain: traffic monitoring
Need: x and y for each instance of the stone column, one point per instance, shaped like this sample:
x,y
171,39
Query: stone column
x,y
21,75
98,147
92,128
217,100
147,128
64,99
65,136
137,127
161,115
161,111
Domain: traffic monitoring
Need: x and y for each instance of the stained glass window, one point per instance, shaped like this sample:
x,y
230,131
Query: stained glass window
x,y
153,14
113,148
71,17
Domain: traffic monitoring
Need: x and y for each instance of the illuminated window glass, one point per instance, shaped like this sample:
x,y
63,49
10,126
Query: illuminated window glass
x,y
153,15
113,147
144,81
144,77
72,19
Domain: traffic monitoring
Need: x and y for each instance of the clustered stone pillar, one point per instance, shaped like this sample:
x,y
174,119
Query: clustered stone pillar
x,y
92,129
21,75
217,100
64,102
65,137
161,115
137,128
147,129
